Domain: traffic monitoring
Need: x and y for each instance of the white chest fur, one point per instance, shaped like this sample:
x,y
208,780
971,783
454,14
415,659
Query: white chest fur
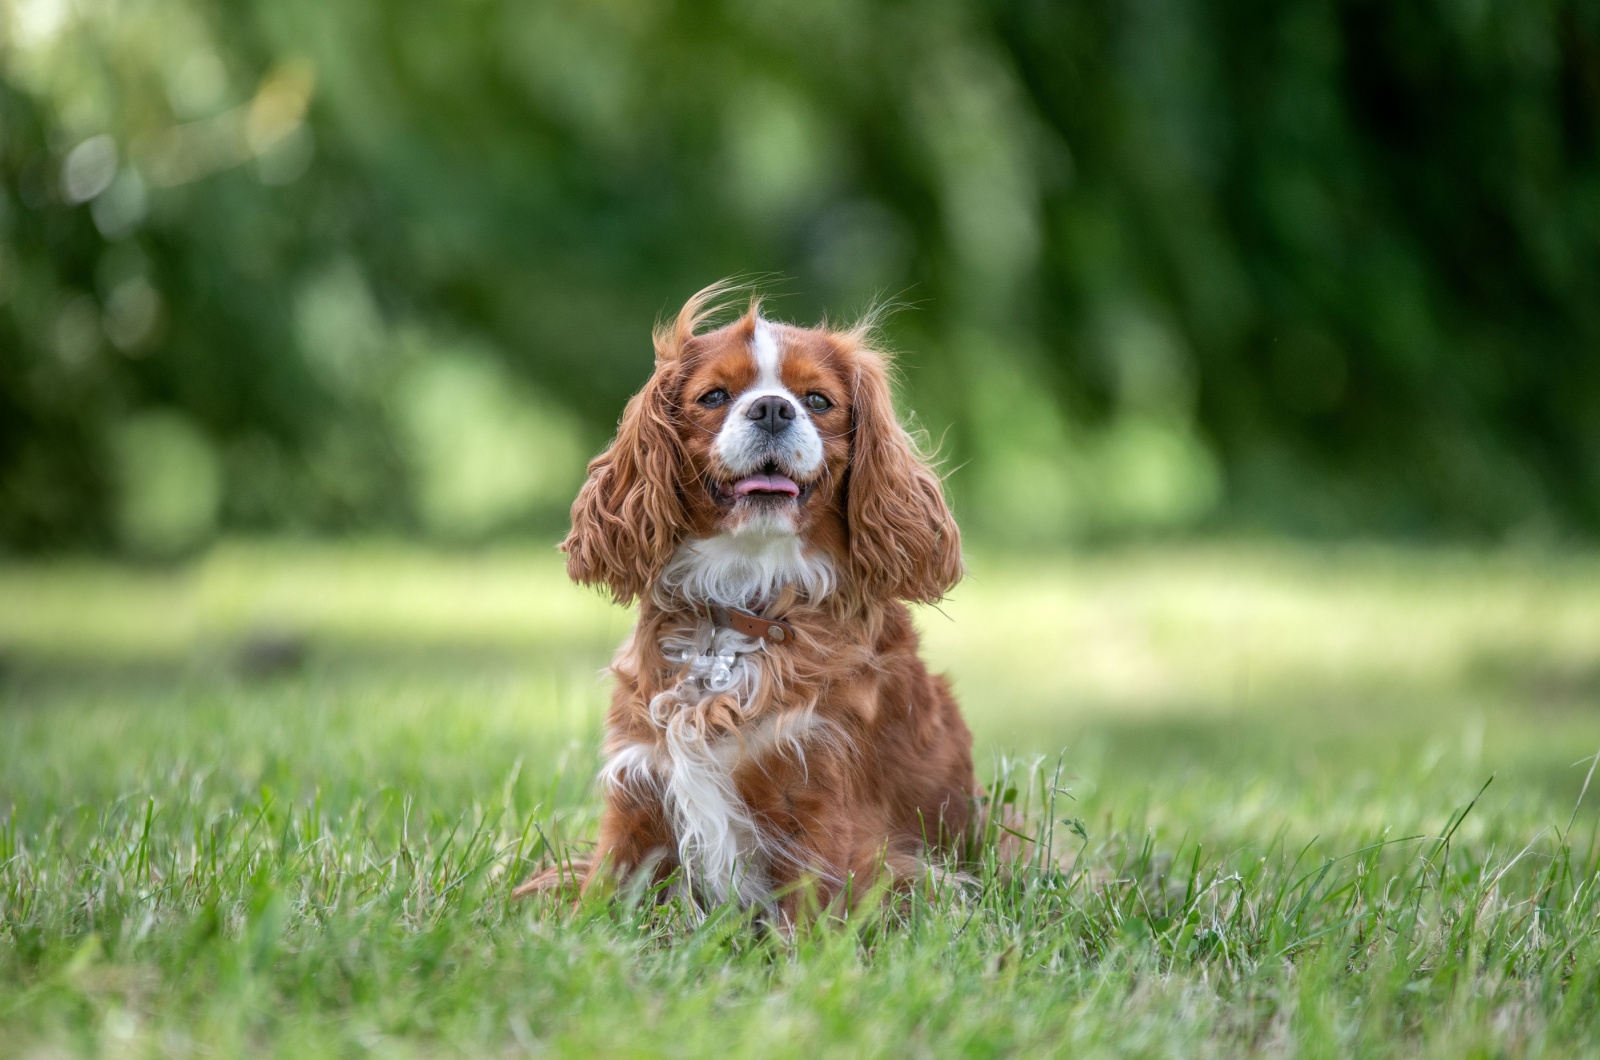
x,y
737,569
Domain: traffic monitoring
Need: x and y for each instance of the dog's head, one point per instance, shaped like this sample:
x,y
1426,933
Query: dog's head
x,y
760,432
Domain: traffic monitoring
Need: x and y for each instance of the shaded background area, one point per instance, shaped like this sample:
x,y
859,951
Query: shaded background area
x,y
1313,266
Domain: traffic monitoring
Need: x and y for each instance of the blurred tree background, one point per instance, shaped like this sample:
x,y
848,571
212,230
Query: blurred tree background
x,y
1316,266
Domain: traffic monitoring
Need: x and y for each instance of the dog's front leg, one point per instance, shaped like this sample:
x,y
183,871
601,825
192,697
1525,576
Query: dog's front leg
x,y
844,868
826,844
635,835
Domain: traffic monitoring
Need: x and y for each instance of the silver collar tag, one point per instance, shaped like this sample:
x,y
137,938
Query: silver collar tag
x,y
712,653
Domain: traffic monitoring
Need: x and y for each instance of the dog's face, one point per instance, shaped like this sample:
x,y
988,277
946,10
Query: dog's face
x,y
765,417
756,432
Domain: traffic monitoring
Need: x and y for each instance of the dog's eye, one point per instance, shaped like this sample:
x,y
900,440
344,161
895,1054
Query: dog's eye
x,y
713,398
817,402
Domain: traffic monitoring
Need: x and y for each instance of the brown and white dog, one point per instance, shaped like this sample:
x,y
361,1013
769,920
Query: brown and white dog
x,y
773,729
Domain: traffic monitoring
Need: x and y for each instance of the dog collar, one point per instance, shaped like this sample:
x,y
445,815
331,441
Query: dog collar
x,y
752,625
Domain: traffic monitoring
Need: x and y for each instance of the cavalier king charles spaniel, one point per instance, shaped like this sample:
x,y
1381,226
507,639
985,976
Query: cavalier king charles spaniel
x,y
773,731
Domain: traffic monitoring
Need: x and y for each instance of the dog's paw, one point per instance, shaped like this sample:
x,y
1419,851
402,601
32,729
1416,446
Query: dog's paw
x,y
558,881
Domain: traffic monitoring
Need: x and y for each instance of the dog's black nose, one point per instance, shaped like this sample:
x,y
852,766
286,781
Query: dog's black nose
x,y
771,413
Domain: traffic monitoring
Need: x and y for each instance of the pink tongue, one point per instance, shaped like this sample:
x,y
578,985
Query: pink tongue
x,y
765,484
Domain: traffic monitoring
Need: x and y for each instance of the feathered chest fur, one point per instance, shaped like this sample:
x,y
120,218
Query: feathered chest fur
x,y
722,703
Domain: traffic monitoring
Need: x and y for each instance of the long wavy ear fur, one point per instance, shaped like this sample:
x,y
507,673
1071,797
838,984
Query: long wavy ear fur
x,y
904,543
629,517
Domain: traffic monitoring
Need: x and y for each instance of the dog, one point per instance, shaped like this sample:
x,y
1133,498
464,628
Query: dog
x,y
773,731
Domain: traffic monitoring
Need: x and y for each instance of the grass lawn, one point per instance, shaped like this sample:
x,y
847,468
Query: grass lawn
x,y
273,802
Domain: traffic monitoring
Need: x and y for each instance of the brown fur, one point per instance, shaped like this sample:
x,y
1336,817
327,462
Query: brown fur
x,y
894,775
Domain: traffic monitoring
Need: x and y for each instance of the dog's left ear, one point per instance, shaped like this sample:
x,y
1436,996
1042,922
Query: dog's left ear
x,y
904,543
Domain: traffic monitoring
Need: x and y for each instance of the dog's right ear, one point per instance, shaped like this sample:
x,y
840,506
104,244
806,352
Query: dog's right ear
x,y
629,517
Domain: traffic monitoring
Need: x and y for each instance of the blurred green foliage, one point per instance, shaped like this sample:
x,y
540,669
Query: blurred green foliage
x,y
1316,265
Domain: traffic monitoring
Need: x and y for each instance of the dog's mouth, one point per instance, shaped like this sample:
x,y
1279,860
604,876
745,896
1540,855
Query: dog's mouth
x,y
767,485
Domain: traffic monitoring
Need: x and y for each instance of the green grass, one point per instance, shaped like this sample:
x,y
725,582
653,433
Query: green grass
x,y
1255,776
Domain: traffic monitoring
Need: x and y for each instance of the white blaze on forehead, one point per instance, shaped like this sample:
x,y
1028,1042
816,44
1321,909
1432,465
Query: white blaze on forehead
x,y
768,356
